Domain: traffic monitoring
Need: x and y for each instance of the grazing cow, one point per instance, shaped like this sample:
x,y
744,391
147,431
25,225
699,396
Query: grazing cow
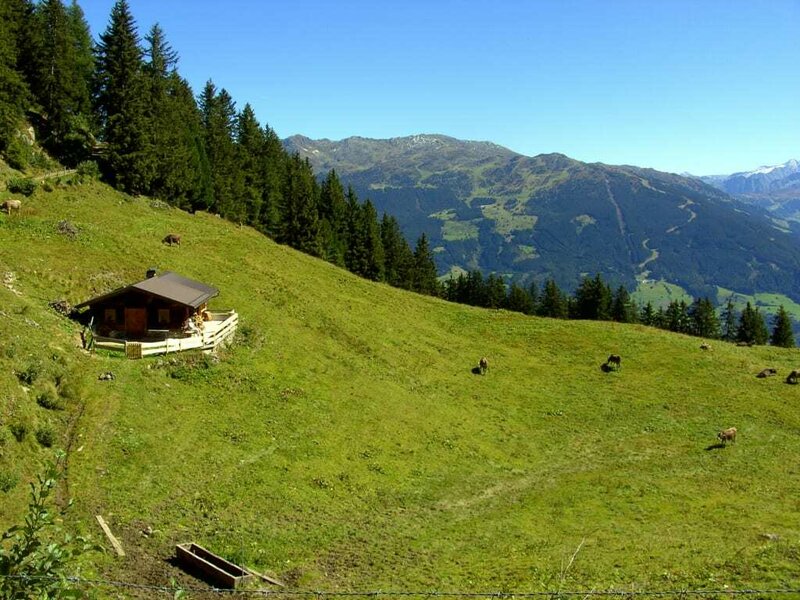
x,y
483,365
794,377
767,373
705,346
614,360
172,238
11,205
727,435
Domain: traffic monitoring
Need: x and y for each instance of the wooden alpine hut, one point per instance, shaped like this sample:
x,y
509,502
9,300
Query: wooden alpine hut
x,y
160,314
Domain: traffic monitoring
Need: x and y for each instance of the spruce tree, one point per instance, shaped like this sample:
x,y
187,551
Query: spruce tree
x,y
648,315
495,291
782,334
704,321
121,104
333,219
752,328
14,92
593,299
424,275
300,220
728,321
553,303
218,115
398,258
622,308
250,150
519,300
372,239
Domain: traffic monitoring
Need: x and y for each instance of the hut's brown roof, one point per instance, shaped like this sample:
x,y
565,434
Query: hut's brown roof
x,y
169,285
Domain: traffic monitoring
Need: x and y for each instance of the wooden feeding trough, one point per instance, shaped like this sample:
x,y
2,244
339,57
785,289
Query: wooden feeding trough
x,y
212,568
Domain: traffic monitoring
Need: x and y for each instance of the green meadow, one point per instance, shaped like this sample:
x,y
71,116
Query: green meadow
x,y
342,442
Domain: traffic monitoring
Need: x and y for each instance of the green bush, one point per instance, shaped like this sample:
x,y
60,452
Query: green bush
x,y
8,481
88,170
48,398
22,185
19,430
4,436
30,373
46,436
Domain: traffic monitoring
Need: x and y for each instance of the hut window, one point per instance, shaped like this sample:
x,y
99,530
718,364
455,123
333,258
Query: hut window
x,y
163,316
110,315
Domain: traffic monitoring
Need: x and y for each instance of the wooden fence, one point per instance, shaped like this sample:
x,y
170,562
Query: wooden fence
x,y
215,332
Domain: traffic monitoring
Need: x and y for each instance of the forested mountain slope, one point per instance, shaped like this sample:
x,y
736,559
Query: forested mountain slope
x,y
485,207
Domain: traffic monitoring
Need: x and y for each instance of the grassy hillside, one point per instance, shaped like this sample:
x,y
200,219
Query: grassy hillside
x,y
343,443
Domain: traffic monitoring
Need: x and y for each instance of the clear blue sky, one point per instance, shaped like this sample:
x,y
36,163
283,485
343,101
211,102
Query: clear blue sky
x,y
705,86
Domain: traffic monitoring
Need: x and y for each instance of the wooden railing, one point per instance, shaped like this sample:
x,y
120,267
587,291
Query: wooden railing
x,y
221,327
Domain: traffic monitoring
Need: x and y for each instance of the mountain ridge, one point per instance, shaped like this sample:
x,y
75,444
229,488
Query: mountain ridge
x,y
489,208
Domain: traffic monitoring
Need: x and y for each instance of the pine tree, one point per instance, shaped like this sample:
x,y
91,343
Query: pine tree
x,y
372,239
622,308
728,321
782,334
676,317
333,220
704,321
61,72
121,104
648,315
553,304
752,328
14,91
495,291
218,115
519,300
424,275
182,172
300,219
593,299
250,150
398,258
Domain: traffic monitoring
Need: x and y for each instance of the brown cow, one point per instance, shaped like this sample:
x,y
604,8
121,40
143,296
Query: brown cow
x,y
483,365
767,373
172,238
11,205
727,435
615,360
794,377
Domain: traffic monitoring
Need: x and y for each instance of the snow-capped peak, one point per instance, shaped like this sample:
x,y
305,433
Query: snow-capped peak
x,y
791,164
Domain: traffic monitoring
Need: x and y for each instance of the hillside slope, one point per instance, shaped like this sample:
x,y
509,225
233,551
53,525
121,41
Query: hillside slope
x,y
343,443
486,207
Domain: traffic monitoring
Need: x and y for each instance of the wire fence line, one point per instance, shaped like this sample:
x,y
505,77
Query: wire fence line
x,y
322,594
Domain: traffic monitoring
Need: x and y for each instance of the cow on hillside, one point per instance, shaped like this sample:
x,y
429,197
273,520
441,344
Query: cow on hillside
x,y
727,435
11,205
483,365
171,239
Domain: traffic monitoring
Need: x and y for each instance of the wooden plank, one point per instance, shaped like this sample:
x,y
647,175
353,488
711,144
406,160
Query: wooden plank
x,y
114,541
265,577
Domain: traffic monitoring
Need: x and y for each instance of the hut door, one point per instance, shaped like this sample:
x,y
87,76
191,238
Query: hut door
x,y
135,321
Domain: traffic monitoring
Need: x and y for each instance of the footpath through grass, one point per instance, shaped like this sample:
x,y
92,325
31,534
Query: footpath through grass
x,y
343,442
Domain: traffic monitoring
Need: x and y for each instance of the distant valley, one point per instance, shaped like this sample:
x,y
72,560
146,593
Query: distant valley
x,y
486,207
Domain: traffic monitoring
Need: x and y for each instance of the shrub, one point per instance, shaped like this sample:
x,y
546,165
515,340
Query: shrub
x,y
4,436
8,481
36,556
22,185
88,171
19,430
30,373
48,398
46,436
